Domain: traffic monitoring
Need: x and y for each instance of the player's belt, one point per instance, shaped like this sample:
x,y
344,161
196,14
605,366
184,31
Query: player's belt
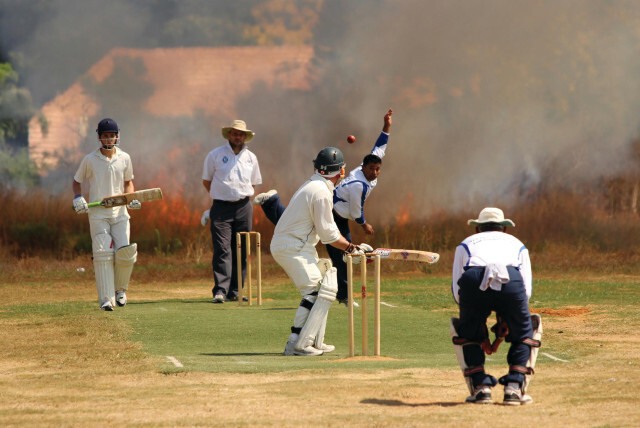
x,y
238,202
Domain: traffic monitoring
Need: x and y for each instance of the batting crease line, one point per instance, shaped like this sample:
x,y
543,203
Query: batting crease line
x,y
553,358
174,361
387,304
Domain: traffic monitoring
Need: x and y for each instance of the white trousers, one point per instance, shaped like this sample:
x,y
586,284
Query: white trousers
x,y
300,263
118,228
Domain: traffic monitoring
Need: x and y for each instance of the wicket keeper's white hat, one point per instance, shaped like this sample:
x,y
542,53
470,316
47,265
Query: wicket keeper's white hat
x,y
492,215
238,125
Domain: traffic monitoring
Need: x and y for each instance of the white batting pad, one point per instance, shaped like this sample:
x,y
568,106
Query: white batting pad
x,y
313,330
125,258
103,267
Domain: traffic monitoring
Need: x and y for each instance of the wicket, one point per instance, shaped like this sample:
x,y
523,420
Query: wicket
x,y
363,306
247,236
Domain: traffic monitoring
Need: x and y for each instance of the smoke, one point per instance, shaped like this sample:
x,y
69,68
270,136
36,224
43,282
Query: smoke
x,y
491,99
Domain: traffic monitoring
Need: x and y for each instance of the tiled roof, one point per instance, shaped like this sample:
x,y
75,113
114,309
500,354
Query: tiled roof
x,y
184,80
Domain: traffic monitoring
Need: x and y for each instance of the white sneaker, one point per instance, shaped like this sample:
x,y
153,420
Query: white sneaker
x,y
513,395
481,395
326,348
121,298
309,351
289,348
107,306
219,298
261,198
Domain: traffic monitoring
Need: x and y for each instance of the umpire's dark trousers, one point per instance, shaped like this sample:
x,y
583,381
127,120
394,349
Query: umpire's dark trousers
x,y
227,219
511,303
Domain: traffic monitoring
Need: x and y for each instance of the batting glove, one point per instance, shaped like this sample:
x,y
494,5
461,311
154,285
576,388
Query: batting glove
x,y
80,205
205,218
355,251
134,205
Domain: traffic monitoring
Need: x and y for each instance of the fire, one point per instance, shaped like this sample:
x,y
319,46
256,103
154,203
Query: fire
x,y
403,217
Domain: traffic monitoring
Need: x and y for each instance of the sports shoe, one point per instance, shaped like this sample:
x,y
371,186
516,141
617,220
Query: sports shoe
x,y
218,298
309,351
481,395
346,303
326,348
261,198
106,306
121,298
234,298
513,395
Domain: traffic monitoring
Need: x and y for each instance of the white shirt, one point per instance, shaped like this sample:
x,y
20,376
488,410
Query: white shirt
x,y
308,219
106,177
351,193
232,176
486,248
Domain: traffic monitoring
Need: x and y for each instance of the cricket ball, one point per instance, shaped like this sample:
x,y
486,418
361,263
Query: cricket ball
x,y
351,139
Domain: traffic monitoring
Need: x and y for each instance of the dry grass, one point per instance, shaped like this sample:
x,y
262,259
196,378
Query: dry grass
x,y
79,369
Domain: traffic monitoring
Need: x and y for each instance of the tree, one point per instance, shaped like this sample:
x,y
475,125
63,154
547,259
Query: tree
x,y
16,109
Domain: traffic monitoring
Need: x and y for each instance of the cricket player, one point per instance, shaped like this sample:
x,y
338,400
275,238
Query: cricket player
x,y
306,221
108,171
492,272
348,202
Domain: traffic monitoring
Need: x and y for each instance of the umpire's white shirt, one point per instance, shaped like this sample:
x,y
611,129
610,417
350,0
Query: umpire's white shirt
x,y
106,177
232,176
308,219
491,247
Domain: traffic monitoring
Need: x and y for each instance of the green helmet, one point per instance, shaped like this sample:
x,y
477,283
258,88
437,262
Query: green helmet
x,y
329,161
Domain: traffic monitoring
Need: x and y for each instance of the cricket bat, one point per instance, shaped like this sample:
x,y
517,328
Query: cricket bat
x,y
146,195
406,255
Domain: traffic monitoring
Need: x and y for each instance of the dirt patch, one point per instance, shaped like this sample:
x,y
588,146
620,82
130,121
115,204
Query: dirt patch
x,y
567,311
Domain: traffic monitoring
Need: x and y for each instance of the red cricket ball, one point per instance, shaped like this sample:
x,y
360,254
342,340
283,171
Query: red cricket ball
x,y
351,139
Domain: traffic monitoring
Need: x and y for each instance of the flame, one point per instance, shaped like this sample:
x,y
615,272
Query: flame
x,y
402,216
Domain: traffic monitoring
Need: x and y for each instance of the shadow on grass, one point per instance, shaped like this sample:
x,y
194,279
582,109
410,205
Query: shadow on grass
x,y
230,305
243,354
402,403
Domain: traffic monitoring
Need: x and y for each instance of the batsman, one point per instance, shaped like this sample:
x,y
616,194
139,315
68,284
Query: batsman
x,y
492,272
108,171
306,221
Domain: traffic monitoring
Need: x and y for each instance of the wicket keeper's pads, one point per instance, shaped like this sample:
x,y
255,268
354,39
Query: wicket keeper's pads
x,y
460,354
103,267
125,258
536,323
313,330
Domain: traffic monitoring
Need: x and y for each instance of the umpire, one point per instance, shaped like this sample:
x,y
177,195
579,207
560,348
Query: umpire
x,y
229,174
492,272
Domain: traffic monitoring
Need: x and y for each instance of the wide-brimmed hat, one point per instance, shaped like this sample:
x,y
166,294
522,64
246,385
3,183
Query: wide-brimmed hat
x,y
238,125
492,215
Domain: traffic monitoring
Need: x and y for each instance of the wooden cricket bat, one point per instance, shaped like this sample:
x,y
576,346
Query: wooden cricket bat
x,y
146,195
406,255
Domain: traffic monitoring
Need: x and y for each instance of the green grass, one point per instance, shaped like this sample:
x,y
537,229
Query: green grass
x,y
415,327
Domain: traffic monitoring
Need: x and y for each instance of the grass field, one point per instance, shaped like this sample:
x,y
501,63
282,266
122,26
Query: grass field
x,y
172,358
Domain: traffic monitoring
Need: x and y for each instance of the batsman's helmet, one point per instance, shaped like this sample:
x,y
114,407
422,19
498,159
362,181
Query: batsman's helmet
x,y
107,125
329,161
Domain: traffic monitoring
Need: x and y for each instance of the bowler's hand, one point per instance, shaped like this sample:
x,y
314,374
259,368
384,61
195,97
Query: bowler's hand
x,y
387,121
368,229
